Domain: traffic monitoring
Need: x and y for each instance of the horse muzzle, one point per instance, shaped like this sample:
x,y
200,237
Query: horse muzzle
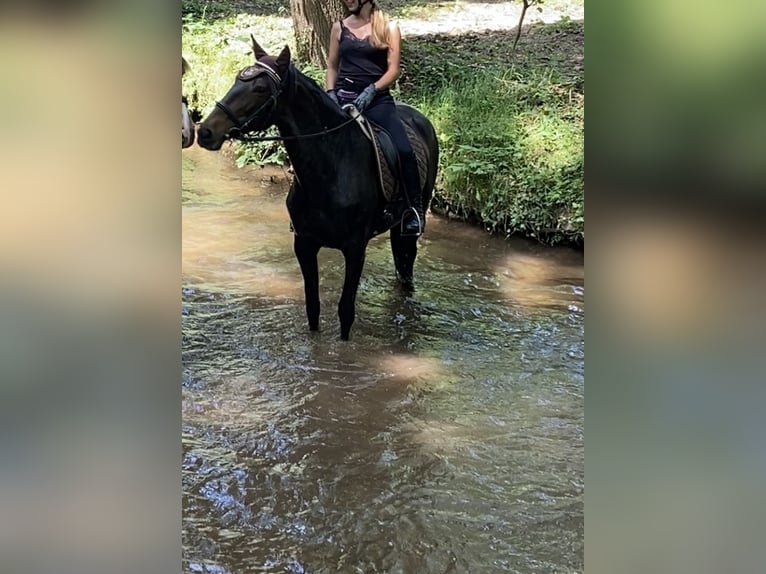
x,y
208,140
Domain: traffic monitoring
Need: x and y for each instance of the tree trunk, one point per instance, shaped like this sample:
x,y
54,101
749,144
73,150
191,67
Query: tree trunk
x,y
312,22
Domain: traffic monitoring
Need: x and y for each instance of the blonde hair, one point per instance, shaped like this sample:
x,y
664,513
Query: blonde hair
x,y
378,27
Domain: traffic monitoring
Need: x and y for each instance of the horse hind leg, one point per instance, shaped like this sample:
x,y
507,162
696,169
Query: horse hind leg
x,y
354,257
405,250
306,251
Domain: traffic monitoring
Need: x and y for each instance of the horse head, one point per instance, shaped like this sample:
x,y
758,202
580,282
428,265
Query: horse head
x,y
187,125
251,103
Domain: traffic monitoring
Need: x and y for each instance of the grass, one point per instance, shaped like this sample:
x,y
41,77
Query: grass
x,y
216,50
519,170
510,128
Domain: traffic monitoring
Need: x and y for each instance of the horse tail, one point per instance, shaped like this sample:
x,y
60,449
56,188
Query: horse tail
x,y
432,141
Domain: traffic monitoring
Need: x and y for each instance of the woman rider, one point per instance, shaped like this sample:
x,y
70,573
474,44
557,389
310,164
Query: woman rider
x,y
363,63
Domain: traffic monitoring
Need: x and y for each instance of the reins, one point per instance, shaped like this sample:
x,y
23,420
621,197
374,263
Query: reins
x,y
248,138
236,133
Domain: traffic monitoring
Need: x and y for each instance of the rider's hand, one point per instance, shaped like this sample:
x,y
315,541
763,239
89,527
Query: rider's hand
x,y
364,99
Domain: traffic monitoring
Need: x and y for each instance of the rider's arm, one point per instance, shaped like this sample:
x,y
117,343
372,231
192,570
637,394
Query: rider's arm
x,y
333,58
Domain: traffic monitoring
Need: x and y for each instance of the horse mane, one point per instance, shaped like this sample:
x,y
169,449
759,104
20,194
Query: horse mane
x,y
317,92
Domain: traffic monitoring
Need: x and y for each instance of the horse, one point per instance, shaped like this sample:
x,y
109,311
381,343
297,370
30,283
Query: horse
x,y
335,198
187,125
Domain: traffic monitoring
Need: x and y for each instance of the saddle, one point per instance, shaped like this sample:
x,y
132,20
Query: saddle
x,y
389,173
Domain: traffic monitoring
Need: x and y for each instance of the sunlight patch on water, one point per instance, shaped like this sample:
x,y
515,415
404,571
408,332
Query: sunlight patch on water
x,y
535,281
224,250
412,369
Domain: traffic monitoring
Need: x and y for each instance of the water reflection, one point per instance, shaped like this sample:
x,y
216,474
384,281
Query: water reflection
x,y
446,436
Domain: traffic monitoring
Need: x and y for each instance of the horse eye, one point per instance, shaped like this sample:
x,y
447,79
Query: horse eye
x,y
260,88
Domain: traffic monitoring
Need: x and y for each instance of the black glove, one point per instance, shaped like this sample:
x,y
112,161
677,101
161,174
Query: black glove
x,y
333,96
364,99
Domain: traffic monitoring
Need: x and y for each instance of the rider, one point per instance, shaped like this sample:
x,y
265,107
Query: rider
x,y
363,63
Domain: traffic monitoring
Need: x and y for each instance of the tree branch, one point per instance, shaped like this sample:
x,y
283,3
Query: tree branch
x,y
527,4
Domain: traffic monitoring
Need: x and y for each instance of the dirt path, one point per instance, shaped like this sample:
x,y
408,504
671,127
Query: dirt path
x,y
445,16
463,17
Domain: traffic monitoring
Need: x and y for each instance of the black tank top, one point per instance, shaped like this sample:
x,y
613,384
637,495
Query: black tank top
x,y
360,62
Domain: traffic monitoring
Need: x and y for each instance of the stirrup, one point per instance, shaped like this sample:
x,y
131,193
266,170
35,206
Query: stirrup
x,y
417,217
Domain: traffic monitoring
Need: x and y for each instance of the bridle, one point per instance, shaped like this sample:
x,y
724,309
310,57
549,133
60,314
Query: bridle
x,y
241,128
248,74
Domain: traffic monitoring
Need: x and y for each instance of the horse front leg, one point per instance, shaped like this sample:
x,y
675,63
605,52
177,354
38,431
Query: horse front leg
x,y
354,256
306,251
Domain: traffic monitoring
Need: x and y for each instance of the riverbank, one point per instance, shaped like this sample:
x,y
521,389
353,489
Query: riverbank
x,y
510,124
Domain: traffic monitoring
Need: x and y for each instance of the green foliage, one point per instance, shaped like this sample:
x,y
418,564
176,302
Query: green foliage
x,y
214,9
511,153
260,153
314,72
206,9
511,134
216,51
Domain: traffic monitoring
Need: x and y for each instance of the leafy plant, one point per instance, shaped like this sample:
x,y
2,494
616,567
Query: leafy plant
x,y
511,154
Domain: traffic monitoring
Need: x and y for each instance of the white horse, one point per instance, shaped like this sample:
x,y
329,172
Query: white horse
x,y
187,125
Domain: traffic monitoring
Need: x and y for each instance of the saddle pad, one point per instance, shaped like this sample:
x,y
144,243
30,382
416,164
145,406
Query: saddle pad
x,y
388,174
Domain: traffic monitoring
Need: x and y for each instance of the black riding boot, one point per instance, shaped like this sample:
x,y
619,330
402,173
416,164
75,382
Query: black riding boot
x,y
414,218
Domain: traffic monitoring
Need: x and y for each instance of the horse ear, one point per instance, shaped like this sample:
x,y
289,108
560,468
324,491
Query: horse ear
x,y
283,60
258,52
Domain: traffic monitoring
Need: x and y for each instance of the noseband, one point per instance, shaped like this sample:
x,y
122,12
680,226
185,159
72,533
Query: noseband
x,y
247,75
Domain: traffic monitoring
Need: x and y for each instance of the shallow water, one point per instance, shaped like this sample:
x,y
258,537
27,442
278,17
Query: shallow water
x,y
446,436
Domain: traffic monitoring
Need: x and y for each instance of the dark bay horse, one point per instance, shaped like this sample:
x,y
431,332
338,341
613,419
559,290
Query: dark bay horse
x,y
334,200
